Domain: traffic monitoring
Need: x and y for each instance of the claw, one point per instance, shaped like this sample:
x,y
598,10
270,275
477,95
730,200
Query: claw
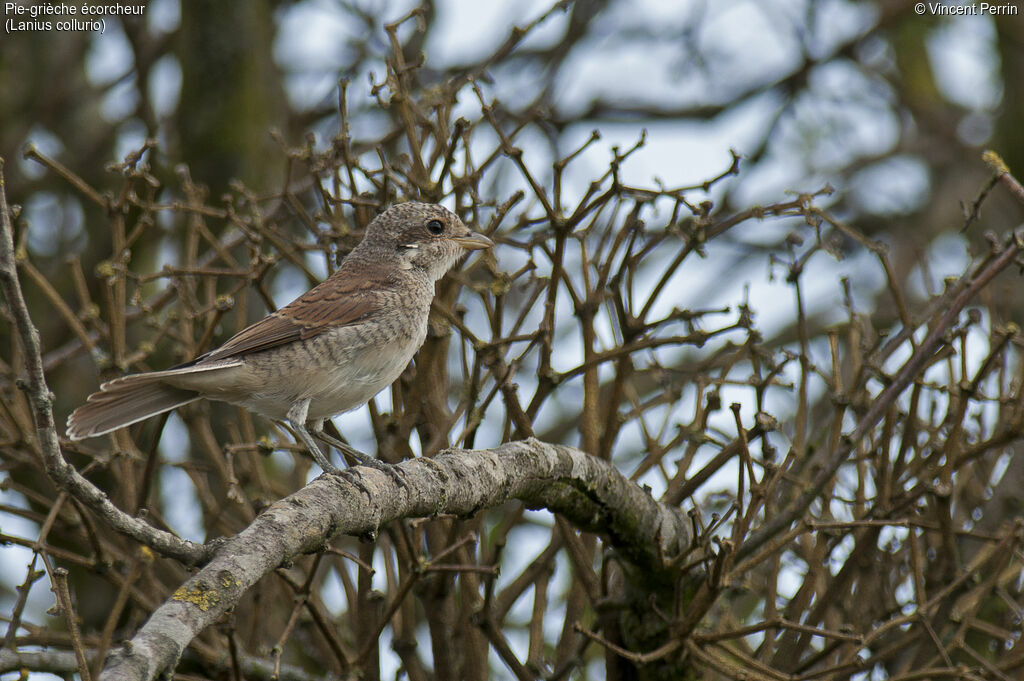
x,y
363,459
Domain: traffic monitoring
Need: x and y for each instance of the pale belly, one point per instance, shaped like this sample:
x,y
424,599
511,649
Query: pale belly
x,y
336,373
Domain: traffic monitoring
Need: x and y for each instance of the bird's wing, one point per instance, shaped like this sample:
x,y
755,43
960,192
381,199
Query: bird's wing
x,y
344,298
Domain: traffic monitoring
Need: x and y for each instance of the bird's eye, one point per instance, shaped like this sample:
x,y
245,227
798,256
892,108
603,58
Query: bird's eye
x,y
435,227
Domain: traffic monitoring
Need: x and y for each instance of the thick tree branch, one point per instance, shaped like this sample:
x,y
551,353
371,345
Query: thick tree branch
x,y
589,492
65,663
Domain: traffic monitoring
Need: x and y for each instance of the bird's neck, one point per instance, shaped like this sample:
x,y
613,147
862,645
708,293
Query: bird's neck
x,y
384,265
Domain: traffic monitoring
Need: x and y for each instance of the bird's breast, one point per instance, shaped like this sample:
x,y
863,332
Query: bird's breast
x,y
338,370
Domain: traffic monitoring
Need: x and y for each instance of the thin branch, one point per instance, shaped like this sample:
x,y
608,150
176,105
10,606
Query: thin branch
x,y
41,399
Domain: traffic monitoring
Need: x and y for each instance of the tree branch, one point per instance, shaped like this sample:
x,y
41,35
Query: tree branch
x,y
65,663
589,492
63,473
939,325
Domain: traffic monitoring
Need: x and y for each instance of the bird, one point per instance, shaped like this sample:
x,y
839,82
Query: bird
x,y
327,352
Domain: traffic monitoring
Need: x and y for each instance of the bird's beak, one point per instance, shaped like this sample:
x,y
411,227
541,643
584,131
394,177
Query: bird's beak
x,y
473,241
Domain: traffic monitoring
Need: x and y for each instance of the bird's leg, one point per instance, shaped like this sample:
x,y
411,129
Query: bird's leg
x,y
363,459
297,420
344,448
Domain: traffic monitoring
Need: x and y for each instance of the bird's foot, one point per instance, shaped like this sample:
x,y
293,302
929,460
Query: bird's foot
x,y
363,459
356,479
329,467
391,469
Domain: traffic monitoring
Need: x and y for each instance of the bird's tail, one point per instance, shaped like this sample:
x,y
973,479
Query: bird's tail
x,y
125,401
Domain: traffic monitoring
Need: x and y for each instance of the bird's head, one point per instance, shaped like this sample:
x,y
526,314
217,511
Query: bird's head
x,y
422,236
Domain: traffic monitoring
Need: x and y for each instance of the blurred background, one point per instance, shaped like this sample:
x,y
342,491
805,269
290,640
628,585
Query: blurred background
x,y
242,111
869,96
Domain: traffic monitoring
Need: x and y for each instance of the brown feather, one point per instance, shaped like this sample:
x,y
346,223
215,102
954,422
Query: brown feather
x,y
346,297
125,401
